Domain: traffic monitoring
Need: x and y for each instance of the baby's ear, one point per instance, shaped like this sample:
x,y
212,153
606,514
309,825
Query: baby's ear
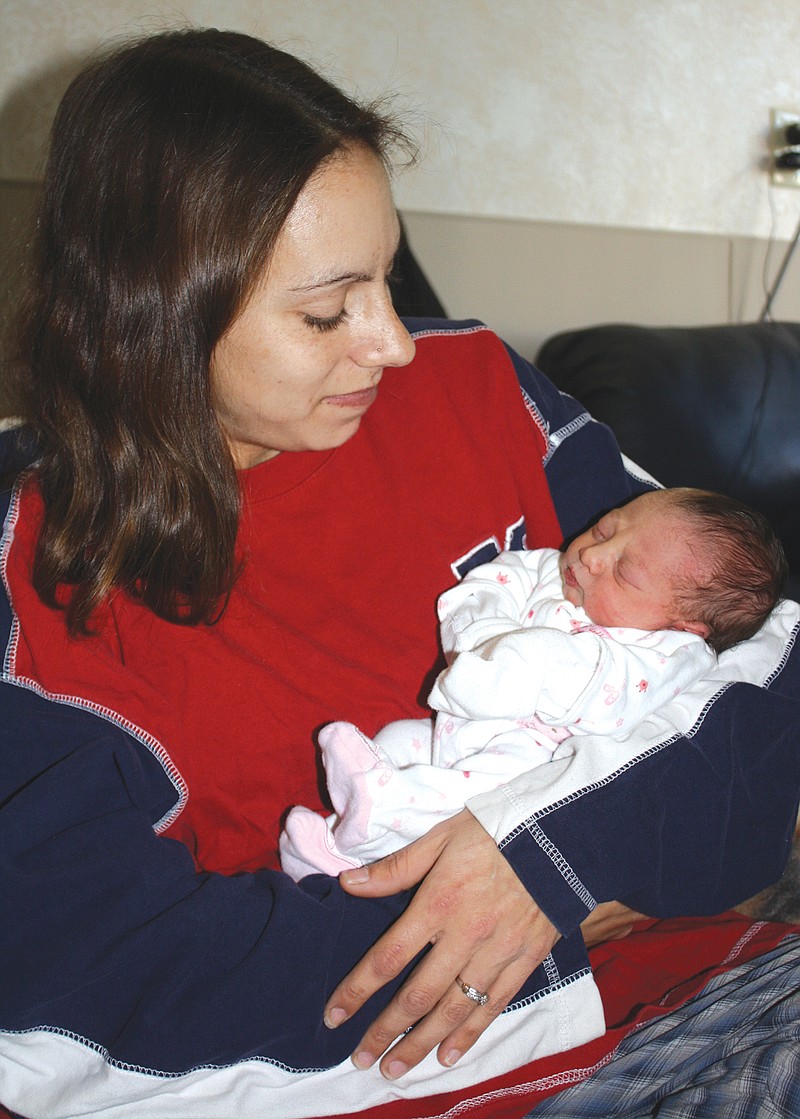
x,y
700,628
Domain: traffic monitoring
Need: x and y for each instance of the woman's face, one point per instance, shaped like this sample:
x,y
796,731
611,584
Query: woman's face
x,y
301,364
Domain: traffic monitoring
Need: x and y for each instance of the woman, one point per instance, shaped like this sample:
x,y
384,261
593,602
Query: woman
x,y
238,451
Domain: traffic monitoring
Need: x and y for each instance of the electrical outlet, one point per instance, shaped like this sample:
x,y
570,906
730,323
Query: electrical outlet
x,y
784,146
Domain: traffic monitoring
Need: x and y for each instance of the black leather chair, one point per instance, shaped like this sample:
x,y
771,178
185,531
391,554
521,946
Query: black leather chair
x,y
412,293
714,406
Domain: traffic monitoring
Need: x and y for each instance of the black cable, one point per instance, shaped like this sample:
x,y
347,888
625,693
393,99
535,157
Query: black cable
x,y
777,281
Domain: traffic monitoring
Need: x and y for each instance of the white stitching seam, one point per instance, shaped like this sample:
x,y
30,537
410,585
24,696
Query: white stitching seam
x,y
125,1066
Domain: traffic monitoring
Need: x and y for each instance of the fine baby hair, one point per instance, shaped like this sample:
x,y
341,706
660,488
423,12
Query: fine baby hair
x,y
744,565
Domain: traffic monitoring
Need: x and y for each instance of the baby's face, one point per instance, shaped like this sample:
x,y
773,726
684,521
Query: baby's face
x,y
624,569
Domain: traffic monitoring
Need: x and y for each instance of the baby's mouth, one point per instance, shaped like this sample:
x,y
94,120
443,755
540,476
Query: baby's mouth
x,y
569,577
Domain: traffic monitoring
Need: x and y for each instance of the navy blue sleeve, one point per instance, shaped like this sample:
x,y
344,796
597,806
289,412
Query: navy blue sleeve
x,y
114,936
584,468
692,827
130,983
697,820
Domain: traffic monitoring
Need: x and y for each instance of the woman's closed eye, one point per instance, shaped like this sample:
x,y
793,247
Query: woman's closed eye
x,y
322,324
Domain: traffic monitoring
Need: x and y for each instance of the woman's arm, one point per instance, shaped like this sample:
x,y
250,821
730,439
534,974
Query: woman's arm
x,y
698,815
131,981
122,967
679,823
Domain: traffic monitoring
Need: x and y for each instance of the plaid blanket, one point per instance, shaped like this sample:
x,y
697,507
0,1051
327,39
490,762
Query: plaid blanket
x,y
732,1050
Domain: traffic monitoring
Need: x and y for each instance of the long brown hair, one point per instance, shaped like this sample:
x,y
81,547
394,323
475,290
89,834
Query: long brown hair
x,y
174,163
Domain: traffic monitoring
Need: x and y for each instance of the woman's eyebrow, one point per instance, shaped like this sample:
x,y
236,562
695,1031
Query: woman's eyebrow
x,y
332,280
326,280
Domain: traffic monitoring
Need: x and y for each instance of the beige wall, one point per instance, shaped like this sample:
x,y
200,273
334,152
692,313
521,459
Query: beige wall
x,y
583,160
529,280
640,114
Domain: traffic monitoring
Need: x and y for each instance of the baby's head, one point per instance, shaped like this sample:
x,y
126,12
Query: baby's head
x,y
681,559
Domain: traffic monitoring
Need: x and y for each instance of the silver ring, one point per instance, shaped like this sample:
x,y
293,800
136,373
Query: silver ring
x,y
471,992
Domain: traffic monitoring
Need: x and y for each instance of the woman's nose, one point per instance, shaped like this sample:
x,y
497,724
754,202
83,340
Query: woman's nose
x,y
386,341
401,345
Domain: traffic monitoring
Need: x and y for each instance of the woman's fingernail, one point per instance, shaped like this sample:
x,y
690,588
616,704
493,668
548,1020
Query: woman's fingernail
x,y
451,1058
357,874
395,1069
363,1059
334,1017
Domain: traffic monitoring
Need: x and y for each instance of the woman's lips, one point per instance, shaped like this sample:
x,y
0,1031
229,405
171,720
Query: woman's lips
x,y
361,399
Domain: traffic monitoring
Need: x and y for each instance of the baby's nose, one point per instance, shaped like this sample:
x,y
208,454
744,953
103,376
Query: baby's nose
x,y
594,558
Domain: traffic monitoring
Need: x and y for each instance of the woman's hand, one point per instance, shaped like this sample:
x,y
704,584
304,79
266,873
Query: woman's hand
x,y
483,926
611,920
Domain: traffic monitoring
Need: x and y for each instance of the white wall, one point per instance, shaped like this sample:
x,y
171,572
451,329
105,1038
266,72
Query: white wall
x,y
648,114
